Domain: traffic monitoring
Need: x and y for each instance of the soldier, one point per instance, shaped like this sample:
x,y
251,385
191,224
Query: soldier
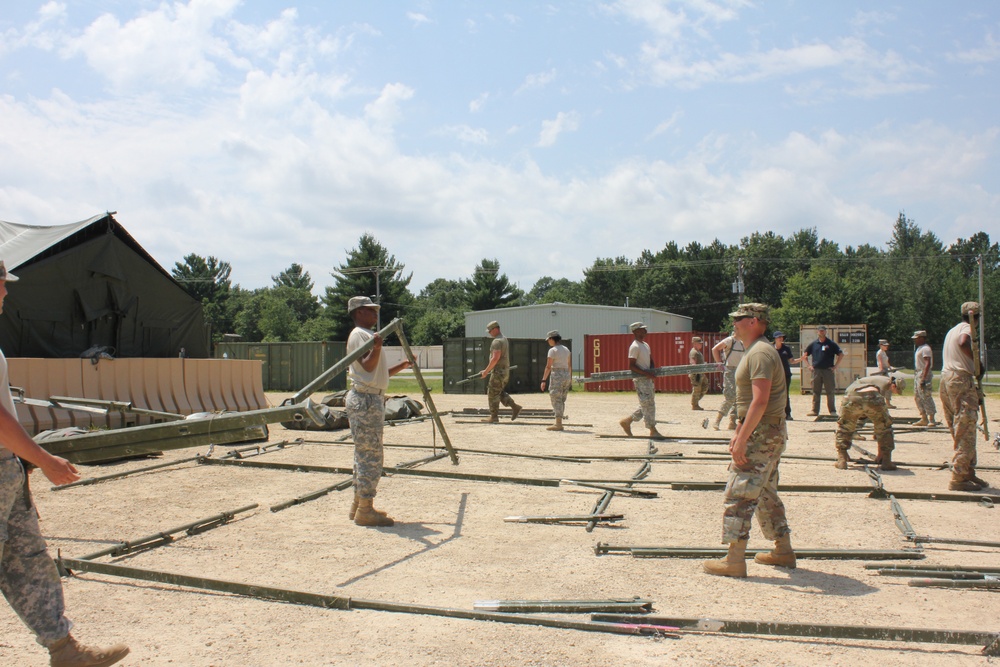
x,y
499,371
960,399
640,362
923,396
729,350
866,398
756,448
28,577
699,381
558,376
365,405
882,361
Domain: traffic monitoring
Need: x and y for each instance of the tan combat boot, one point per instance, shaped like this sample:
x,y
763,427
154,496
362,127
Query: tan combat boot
x,y
923,421
842,460
68,652
733,565
369,516
959,483
884,459
515,410
626,425
354,507
732,424
557,426
782,555
493,419
981,482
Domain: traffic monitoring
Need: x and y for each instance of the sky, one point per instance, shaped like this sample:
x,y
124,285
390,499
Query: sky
x,y
540,134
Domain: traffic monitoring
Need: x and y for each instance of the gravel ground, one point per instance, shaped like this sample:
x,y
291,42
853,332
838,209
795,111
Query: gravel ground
x,y
450,547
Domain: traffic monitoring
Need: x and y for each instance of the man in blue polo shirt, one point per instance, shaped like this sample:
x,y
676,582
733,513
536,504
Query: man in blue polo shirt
x,y
823,356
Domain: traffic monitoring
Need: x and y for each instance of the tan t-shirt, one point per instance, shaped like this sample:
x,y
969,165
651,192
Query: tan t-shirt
x,y
696,357
761,362
500,343
882,383
952,358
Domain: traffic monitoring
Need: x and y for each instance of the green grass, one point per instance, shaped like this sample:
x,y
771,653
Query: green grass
x,y
409,385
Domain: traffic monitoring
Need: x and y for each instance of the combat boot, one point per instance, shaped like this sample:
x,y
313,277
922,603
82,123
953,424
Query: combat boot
x,y
962,484
732,424
626,425
981,482
515,410
715,424
557,426
733,565
781,555
68,652
493,419
933,424
923,421
842,460
354,507
369,516
884,459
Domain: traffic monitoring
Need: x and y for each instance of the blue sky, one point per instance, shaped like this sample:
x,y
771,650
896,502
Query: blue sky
x,y
544,135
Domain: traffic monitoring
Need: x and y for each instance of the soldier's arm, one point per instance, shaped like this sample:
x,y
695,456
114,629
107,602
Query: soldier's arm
x,y
16,439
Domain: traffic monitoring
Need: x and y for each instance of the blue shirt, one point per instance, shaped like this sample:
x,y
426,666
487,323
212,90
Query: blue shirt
x,y
824,354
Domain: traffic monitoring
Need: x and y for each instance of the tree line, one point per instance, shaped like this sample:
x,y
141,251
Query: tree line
x,y
914,282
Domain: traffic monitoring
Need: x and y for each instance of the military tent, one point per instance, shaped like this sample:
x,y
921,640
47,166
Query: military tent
x,y
90,284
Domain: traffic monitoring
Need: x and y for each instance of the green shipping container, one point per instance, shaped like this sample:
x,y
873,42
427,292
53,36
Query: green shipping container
x,y
466,356
290,366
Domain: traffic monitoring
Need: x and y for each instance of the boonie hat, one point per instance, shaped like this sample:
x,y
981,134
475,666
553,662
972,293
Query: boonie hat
x,y
356,302
970,306
552,334
695,339
492,325
636,325
919,334
9,277
758,310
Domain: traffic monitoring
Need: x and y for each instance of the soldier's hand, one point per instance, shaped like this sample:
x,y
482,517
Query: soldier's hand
x,y
378,341
738,450
60,471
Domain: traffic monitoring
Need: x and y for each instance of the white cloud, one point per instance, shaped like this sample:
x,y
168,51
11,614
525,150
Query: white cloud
x,y
551,129
989,52
537,81
665,126
468,135
479,103
417,18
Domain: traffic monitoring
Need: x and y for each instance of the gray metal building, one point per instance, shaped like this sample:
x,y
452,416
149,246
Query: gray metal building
x,y
572,321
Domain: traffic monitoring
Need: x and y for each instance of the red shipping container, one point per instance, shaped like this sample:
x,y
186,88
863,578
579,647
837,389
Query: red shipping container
x,y
609,352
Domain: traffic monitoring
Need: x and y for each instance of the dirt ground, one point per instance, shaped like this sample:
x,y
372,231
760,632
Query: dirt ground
x,y
451,547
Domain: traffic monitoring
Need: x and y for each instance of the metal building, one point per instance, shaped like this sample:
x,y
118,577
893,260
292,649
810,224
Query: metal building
x,y
573,321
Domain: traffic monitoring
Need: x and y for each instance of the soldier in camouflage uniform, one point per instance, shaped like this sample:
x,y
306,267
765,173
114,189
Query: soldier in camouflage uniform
x,y
640,362
365,406
923,396
866,398
729,351
756,448
557,377
699,381
28,577
498,369
960,399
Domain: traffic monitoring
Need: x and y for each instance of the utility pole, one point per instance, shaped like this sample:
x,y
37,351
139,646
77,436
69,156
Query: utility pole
x,y
738,285
377,271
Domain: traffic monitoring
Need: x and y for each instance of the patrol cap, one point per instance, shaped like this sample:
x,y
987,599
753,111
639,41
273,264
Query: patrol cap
x,y
899,381
695,339
636,325
492,325
919,334
967,307
758,310
883,341
9,277
552,334
356,302
778,334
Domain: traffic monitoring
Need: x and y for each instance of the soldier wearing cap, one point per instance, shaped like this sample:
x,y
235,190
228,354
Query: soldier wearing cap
x,y
498,369
823,357
756,449
960,399
787,359
868,398
640,362
365,405
557,377
699,381
923,396
28,576
729,351
882,361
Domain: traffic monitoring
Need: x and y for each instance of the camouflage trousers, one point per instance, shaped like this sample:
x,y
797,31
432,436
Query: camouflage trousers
x,y
923,396
754,489
728,406
699,387
28,577
559,386
366,415
647,402
495,394
960,403
865,405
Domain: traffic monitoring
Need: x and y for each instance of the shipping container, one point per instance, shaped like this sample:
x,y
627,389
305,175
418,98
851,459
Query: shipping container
x,y
464,357
609,352
852,340
290,366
